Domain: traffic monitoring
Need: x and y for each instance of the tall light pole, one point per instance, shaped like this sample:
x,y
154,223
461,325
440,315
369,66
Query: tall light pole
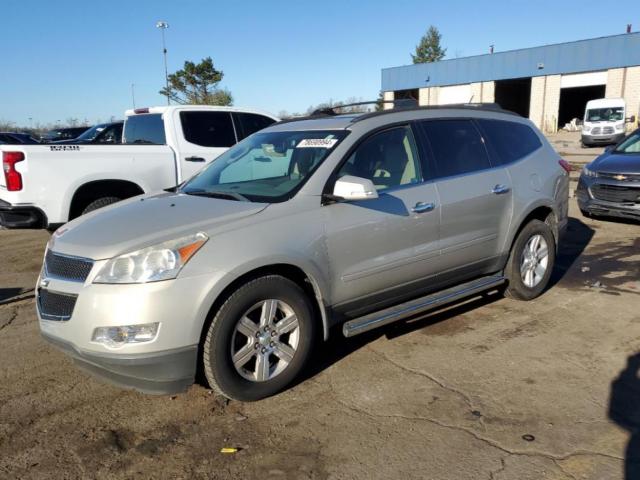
x,y
133,95
163,26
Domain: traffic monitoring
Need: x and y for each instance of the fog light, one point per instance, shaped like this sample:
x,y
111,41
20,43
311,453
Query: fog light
x,y
118,336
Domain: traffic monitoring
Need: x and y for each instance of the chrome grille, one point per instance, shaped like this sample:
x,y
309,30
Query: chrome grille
x,y
607,130
55,306
596,131
615,193
628,177
63,267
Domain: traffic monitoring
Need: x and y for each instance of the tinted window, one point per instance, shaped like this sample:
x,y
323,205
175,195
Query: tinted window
x,y
208,129
111,134
144,129
388,159
457,147
511,141
248,123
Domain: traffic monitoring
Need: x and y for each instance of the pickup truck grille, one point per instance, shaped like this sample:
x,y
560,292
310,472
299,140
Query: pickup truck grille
x,y
615,193
55,306
63,267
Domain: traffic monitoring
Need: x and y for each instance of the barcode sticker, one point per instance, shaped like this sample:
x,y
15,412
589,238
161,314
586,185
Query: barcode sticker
x,y
317,143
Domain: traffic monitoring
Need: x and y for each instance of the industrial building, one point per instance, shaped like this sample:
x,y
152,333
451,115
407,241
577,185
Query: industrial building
x,y
550,84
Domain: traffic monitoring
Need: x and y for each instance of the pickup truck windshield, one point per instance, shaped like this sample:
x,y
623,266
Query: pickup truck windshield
x,y
610,114
145,129
265,167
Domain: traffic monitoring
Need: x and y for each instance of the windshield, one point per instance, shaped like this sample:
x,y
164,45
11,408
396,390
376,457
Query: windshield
x,y
630,145
609,114
92,132
265,167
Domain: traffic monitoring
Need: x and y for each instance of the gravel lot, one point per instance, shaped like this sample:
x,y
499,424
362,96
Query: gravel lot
x,y
489,389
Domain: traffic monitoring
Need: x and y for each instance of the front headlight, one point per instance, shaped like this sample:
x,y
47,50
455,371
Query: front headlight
x,y
586,128
152,264
619,128
588,173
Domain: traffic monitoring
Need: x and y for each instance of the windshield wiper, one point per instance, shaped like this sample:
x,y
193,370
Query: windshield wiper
x,y
218,194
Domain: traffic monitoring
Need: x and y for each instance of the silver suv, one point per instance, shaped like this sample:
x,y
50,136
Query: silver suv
x,y
350,220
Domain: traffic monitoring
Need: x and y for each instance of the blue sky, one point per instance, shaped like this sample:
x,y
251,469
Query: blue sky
x,y
78,59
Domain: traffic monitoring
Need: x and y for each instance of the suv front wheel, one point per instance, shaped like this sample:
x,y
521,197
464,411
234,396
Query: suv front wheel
x,y
259,340
531,261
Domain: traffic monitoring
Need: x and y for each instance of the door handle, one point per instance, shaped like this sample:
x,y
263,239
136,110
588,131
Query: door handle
x,y
422,207
195,159
500,189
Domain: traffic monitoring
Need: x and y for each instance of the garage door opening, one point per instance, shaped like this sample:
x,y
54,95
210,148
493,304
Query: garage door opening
x,y
574,100
406,94
514,95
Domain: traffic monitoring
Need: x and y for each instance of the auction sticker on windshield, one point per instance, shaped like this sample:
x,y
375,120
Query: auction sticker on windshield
x,y
317,143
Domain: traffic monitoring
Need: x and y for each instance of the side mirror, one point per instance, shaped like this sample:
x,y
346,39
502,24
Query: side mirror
x,y
631,119
354,188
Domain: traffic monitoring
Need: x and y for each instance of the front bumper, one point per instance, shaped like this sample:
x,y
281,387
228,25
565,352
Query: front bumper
x,y
158,373
166,364
21,216
589,204
602,139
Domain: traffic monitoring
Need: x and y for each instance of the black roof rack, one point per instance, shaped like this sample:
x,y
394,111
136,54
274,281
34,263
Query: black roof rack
x,y
399,103
404,104
492,107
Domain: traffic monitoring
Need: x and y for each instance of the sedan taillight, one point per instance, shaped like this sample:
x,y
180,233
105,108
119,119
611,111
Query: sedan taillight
x,y
11,175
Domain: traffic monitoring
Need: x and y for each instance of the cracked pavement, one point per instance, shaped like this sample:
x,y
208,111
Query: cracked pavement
x,y
488,389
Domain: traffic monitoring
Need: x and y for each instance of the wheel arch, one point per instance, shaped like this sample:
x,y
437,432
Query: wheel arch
x,y
94,189
542,211
295,272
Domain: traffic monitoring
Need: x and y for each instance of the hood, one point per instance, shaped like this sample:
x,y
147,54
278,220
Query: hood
x,y
144,221
617,163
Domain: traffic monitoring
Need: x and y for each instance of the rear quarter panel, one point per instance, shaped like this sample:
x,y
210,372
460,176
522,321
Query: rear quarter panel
x,y
51,174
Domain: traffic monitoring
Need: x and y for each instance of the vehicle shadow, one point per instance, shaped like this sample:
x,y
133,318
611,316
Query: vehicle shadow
x,y
572,246
574,242
624,410
6,293
339,347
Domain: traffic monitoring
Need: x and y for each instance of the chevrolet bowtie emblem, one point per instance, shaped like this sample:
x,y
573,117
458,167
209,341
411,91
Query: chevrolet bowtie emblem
x,y
44,282
620,177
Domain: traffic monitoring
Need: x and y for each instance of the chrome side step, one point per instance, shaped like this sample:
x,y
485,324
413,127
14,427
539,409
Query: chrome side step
x,y
419,305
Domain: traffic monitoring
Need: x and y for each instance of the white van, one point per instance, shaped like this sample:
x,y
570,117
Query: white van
x,y
604,121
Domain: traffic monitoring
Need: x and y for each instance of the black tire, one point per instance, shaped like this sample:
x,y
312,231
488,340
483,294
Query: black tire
x,y
516,287
99,203
219,370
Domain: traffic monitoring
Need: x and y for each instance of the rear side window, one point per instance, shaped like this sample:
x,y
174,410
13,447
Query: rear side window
x,y
248,123
511,141
456,145
146,129
208,129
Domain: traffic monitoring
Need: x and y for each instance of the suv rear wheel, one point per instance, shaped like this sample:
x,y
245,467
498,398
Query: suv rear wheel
x,y
259,340
531,261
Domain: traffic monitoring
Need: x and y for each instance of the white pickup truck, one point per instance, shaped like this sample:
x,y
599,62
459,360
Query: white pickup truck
x,y
44,186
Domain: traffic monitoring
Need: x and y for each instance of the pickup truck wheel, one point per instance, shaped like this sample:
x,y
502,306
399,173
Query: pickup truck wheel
x,y
531,261
99,203
259,340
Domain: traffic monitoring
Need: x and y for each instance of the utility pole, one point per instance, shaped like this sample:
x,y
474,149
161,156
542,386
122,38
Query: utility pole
x,y
133,95
163,26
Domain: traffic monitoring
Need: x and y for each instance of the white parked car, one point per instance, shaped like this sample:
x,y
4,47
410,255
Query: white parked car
x,y
44,186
